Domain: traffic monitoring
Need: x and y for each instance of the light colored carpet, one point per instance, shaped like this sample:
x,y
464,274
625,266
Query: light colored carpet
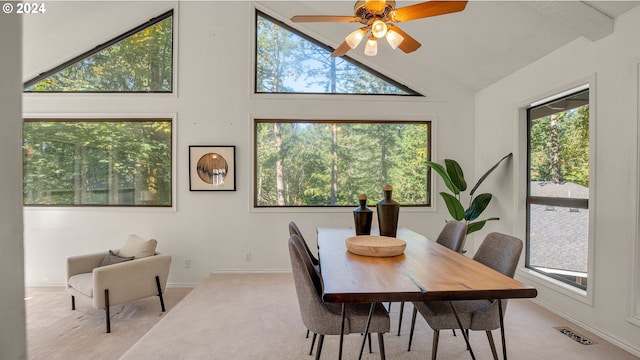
x,y
54,331
256,316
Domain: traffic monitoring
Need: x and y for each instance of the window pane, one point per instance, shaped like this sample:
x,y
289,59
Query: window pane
x,y
119,162
558,214
321,163
288,62
559,147
141,62
559,238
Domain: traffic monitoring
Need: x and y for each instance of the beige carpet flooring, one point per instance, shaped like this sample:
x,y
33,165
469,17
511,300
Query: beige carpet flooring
x,y
256,316
55,332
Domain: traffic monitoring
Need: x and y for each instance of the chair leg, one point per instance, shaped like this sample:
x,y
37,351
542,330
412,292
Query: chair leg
x,y
319,349
313,342
400,318
492,344
160,292
434,351
381,345
370,350
106,309
306,337
73,302
413,325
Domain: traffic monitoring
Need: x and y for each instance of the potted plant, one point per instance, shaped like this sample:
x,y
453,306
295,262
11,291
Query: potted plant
x,y
453,177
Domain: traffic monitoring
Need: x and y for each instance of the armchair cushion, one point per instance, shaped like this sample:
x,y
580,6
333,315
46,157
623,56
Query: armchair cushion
x,y
138,247
113,258
82,283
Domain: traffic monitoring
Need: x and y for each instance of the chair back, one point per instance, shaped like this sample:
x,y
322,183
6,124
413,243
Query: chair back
x,y
500,252
453,235
294,230
315,314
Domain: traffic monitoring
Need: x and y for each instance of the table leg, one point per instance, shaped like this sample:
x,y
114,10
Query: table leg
x,y
504,345
342,331
464,333
366,329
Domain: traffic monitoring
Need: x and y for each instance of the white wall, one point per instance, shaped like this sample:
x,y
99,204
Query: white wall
x,y
214,105
12,313
613,62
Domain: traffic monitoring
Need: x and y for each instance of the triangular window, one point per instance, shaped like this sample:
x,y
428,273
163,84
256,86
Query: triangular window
x,y
140,60
288,61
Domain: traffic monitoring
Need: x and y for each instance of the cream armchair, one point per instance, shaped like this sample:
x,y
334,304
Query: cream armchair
x,y
117,283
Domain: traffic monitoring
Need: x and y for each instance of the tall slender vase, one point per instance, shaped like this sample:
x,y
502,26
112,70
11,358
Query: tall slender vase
x,y
388,211
362,217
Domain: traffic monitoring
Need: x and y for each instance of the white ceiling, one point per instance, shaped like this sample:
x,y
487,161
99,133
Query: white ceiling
x,y
464,51
471,49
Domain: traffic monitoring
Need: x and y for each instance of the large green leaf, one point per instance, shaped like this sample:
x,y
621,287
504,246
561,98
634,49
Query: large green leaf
x,y
487,173
478,205
453,205
445,177
455,173
475,226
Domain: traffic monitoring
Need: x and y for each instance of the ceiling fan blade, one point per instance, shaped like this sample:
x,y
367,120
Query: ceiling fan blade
x,y
324,18
341,50
426,9
409,44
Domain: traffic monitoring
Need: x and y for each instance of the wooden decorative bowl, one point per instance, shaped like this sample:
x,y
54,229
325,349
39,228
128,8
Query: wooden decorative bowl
x,y
378,246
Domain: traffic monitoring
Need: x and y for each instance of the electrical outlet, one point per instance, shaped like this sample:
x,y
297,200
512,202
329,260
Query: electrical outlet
x,y
247,256
187,263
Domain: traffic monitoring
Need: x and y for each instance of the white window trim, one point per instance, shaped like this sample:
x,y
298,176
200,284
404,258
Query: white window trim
x,y
530,275
634,309
119,209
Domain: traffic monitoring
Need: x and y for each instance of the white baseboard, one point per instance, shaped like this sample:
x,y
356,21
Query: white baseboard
x,y
251,271
621,344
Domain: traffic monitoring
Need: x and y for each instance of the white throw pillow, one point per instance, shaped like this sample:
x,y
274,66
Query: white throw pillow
x,y
138,247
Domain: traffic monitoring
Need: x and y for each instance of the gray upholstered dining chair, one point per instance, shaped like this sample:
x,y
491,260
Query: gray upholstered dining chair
x,y
498,251
325,318
451,236
294,229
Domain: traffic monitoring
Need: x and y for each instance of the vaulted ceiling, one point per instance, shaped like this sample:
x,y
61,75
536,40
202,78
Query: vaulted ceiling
x,y
473,48
464,51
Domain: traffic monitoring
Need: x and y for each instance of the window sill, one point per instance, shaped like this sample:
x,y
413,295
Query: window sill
x,y
583,296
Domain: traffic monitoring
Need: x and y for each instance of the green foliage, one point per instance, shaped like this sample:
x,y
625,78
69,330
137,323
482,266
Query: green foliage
x,y
143,62
573,146
330,164
453,177
96,162
289,63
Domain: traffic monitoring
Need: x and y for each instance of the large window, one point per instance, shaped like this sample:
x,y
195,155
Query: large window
x,y
288,61
558,188
122,162
139,60
304,163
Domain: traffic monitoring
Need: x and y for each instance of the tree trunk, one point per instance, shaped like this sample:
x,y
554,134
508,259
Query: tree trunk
x,y
279,165
334,164
555,150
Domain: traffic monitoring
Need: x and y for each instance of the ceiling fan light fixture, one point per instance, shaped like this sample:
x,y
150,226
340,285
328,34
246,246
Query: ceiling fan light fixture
x,y
378,28
394,39
371,49
354,39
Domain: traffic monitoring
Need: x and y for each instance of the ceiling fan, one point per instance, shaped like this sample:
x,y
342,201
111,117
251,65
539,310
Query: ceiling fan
x,y
378,18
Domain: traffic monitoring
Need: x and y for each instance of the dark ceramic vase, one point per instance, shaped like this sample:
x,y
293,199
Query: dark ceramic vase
x,y
388,211
362,217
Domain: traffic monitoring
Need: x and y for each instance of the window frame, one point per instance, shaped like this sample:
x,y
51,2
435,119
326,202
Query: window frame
x,y
411,93
153,21
561,285
429,206
115,117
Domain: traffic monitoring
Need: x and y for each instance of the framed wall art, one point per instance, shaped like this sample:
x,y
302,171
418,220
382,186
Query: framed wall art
x,y
212,168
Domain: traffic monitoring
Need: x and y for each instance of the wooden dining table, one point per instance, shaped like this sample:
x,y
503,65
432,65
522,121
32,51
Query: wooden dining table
x,y
425,271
